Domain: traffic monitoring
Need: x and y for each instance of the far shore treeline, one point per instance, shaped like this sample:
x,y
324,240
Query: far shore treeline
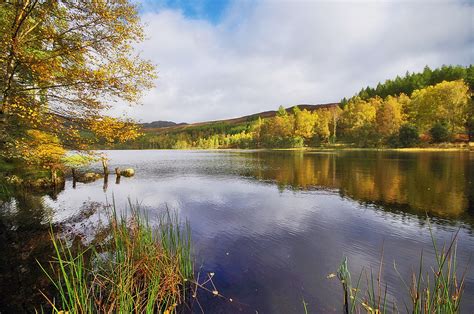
x,y
418,109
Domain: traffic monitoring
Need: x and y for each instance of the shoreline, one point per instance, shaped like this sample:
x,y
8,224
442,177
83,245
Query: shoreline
x,y
467,148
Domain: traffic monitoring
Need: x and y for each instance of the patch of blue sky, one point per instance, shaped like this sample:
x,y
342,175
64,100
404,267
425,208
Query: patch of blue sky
x,y
211,10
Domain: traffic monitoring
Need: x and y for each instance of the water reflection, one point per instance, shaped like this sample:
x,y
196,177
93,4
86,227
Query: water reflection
x,y
24,241
436,183
271,225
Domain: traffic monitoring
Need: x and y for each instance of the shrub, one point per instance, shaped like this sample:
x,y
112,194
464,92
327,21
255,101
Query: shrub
x,y
408,135
282,142
393,140
367,136
439,133
297,141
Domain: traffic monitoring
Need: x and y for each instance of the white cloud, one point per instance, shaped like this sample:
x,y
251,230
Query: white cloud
x,y
288,52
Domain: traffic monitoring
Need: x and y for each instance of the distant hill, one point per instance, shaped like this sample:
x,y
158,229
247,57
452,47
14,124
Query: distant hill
x,y
267,114
171,126
161,124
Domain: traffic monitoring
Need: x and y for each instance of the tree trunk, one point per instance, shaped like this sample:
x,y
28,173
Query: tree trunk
x,y
22,11
5,102
334,125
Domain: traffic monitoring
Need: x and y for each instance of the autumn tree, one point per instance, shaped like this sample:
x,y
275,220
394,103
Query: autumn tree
x,y
62,64
282,124
359,116
304,123
444,102
335,115
257,131
389,115
322,125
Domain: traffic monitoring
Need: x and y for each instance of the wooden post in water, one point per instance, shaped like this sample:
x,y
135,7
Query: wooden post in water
x,y
74,177
117,173
106,183
105,166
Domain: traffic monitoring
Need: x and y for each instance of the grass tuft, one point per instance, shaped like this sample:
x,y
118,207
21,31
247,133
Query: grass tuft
x,y
137,268
438,290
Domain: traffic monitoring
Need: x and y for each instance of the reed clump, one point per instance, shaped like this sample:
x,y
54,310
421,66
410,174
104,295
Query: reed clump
x,y
436,290
134,269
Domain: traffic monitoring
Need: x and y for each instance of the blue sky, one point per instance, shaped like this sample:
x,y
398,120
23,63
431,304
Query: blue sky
x,y
210,10
222,59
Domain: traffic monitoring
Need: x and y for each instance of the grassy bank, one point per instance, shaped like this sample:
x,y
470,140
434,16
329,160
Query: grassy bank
x,y
129,268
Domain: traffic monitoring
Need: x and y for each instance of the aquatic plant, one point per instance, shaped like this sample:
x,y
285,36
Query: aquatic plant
x,y
436,291
136,268
441,290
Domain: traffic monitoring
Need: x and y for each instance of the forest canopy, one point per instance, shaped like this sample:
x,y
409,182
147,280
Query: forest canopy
x,y
414,81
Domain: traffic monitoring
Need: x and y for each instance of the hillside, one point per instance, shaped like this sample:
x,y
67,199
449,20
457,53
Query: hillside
x,y
160,124
168,126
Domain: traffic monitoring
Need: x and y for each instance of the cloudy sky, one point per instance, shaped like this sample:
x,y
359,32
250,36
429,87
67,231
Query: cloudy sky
x,y
219,59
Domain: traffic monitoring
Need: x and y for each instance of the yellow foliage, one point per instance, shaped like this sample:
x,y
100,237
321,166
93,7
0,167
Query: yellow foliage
x,y
359,113
323,123
389,116
304,123
114,130
42,149
443,102
280,125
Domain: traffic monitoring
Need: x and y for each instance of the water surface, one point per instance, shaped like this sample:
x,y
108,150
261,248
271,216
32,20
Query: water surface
x,y
273,225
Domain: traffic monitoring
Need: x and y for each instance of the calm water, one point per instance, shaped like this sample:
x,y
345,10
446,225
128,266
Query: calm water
x,y
270,225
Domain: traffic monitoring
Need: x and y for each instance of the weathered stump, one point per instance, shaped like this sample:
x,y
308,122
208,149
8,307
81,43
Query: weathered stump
x,y
117,173
74,177
105,166
106,183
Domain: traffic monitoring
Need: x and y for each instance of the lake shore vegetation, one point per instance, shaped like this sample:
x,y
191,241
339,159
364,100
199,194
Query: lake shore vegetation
x,y
130,267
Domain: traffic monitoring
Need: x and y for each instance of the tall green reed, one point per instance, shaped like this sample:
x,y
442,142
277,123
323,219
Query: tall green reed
x,y
136,268
438,290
